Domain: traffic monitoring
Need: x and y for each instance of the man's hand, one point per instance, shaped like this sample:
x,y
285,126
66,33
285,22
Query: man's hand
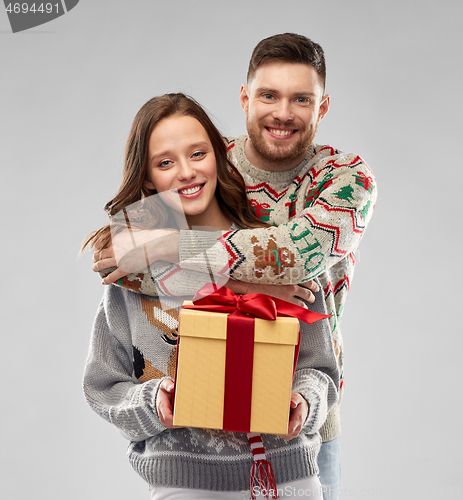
x,y
289,293
132,251
104,259
298,411
164,403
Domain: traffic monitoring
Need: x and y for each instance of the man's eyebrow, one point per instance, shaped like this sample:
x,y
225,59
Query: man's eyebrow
x,y
307,93
268,90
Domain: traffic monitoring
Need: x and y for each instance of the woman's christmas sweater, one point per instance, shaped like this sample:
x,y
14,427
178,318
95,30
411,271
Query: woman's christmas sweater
x,y
133,348
318,210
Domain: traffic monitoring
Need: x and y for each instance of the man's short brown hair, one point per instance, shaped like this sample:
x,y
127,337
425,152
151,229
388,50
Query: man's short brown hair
x,y
288,47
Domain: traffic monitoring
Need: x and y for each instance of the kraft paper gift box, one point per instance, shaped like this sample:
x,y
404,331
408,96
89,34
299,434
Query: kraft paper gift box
x,y
234,376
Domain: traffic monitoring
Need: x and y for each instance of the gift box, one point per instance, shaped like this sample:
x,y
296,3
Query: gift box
x,y
236,361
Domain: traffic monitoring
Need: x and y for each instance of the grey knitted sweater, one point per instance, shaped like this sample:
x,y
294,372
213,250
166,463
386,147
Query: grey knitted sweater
x,y
133,348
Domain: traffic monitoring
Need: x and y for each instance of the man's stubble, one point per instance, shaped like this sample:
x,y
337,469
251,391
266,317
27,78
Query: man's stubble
x,y
274,153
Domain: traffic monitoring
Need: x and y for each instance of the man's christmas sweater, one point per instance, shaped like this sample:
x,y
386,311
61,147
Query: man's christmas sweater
x,y
318,211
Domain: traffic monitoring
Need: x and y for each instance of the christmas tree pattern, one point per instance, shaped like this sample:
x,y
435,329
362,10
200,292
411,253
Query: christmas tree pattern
x,y
316,188
364,211
345,193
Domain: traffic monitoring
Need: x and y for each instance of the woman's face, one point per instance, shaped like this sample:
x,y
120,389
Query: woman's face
x,y
181,159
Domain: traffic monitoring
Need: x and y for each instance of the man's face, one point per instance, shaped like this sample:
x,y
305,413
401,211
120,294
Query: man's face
x,y
283,104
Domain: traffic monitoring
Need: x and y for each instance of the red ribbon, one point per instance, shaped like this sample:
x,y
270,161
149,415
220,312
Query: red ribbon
x,y
240,343
257,305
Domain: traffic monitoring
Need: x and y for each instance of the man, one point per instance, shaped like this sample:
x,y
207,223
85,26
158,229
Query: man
x,y
318,199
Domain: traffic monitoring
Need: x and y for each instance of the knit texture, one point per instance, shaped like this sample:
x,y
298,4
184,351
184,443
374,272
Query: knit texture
x,y
133,348
320,210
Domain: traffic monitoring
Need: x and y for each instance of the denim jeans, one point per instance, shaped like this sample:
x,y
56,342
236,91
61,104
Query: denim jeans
x,y
329,463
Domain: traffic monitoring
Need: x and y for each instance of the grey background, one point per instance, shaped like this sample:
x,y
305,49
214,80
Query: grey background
x,y
68,93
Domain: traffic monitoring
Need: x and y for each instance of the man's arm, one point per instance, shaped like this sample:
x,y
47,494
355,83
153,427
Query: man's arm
x,y
164,279
330,228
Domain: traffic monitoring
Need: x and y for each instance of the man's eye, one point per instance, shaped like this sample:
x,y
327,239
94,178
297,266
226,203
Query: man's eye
x,y
303,100
267,96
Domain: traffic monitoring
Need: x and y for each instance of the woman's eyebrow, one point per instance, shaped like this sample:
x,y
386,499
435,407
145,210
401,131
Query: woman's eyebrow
x,y
199,144
157,155
168,152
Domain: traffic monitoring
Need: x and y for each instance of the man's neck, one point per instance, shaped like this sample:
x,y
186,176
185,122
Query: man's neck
x,y
269,166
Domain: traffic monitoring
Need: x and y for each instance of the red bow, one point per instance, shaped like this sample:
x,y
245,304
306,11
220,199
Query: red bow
x,y
252,304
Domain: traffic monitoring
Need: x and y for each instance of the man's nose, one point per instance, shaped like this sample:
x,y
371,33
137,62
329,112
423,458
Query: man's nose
x,y
282,111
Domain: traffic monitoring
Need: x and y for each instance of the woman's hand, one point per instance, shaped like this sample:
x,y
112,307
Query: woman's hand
x,y
289,293
165,402
298,411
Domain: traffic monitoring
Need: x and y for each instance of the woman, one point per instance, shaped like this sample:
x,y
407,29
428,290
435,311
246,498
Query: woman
x,y
173,146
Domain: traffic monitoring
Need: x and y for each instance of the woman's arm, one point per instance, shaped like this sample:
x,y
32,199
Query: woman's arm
x,y
317,375
109,384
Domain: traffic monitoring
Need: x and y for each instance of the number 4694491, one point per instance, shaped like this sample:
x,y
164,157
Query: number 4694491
x,y
24,8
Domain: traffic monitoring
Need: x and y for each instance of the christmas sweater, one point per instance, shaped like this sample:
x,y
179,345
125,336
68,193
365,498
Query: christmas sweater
x,y
318,211
133,348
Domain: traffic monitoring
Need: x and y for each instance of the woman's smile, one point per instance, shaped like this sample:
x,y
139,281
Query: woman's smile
x,y
181,161
190,191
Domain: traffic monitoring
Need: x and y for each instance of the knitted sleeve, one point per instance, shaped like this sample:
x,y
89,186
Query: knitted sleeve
x,y
108,384
164,279
337,206
317,374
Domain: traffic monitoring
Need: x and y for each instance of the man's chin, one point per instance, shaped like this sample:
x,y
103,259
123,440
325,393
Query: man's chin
x,y
280,153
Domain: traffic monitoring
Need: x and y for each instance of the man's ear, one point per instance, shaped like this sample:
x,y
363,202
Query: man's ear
x,y
244,98
324,106
148,184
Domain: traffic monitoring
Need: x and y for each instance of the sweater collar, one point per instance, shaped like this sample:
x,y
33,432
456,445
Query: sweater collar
x,y
256,173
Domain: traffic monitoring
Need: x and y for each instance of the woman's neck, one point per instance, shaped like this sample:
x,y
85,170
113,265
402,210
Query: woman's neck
x,y
211,218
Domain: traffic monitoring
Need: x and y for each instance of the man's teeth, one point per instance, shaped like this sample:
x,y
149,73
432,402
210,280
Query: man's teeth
x,y
191,190
277,131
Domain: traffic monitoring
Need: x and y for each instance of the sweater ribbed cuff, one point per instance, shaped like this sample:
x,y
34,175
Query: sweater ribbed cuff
x,y
331,429
194,244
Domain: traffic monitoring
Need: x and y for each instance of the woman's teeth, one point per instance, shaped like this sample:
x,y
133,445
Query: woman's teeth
x,y
191,190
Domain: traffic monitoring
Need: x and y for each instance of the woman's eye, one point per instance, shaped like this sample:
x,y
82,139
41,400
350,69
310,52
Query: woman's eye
x,y
165,163
198,154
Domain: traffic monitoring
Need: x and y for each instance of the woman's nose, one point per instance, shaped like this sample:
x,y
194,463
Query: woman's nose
x,y
186,170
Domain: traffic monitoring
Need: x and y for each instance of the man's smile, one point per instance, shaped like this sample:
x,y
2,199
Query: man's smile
x,y
281,132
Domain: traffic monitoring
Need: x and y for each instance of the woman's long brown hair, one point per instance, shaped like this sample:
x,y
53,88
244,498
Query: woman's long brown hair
x,y
230,191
